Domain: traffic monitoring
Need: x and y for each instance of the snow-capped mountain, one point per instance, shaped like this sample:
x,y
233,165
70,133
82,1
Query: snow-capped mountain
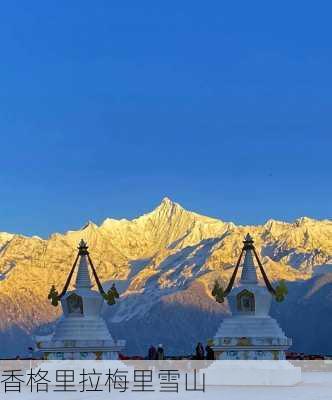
x,y
164,264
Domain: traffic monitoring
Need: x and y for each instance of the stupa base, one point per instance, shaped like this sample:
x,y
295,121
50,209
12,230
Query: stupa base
x,y
80,349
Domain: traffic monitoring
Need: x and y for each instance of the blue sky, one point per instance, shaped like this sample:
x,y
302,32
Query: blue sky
x,y
107,107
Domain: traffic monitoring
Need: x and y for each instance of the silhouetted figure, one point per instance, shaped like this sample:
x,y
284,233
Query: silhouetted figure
x,y
160,352
209,352
152,353
199,351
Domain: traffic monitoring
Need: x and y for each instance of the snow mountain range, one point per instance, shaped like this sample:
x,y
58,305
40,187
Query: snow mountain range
x,y
164,264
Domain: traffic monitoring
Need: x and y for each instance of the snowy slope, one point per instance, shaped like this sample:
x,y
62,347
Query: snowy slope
x,y
154,259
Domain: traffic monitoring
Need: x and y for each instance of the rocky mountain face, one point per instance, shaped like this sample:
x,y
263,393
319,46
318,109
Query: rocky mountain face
x,y
164,264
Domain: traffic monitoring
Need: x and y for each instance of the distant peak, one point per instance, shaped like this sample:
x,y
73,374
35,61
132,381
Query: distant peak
x,y
167,200
89,224
168,204
272,221
304,221
273,225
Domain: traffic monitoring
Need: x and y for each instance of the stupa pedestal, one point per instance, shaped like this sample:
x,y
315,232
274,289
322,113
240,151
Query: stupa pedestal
x,y
81,333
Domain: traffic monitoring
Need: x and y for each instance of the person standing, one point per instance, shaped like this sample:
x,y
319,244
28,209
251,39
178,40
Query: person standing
x,y
199,351
209,352
152,353
160,352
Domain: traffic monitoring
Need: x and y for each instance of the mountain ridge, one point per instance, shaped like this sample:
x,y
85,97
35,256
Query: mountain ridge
x,y
154,257
167,203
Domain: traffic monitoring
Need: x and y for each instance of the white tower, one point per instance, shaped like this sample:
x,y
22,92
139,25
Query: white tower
x,y
81,332
250,333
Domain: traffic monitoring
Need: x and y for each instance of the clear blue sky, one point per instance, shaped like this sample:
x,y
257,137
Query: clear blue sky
x,y
107,107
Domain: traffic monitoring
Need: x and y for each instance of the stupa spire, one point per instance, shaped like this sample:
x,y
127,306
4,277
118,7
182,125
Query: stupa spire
x,y
83,280
249,275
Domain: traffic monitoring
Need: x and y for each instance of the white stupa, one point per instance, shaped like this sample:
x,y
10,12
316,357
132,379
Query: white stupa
x,y
250,333
81,332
